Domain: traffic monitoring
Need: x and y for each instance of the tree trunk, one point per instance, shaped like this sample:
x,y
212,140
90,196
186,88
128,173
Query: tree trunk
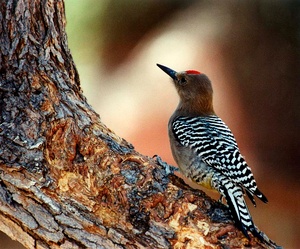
x,y
66,180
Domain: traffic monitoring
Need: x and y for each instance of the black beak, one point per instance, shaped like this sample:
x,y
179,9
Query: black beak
x,y
168,71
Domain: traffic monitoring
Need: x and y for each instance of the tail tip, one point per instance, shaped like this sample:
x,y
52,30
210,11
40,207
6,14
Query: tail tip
x,y
261,196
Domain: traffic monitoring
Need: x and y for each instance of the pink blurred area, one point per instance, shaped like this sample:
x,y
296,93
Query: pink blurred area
x,y
250,51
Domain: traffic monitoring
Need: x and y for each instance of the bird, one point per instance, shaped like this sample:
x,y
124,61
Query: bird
x,y
206,151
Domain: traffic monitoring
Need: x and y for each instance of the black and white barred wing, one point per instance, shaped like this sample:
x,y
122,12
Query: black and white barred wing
x,y
213,141
209,137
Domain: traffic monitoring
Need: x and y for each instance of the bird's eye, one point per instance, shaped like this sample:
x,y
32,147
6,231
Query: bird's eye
x,y
182,81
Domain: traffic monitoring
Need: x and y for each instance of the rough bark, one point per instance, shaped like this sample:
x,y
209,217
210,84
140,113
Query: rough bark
x,y
66,180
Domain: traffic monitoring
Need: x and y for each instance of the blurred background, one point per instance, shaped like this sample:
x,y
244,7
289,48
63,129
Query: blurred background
x,y
249,49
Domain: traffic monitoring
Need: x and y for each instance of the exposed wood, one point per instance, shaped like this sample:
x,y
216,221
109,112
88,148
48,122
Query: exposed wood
x,y
66,180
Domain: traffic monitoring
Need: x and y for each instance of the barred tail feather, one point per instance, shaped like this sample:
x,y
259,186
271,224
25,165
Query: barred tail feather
x,y
235,200
256,193
239,210
251,197
261,196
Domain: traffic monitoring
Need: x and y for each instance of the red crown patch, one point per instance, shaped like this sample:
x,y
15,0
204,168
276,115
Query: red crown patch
x,y
192,72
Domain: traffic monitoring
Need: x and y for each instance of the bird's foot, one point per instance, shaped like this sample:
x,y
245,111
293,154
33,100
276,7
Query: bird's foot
x,y
168,168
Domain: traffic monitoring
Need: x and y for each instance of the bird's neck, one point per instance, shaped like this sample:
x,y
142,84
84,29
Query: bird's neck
x,y
198,107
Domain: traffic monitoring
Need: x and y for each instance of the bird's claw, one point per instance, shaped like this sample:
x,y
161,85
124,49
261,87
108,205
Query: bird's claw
x,y
168,168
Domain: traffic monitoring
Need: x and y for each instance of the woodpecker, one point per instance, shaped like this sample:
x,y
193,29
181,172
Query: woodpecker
x,y
206,151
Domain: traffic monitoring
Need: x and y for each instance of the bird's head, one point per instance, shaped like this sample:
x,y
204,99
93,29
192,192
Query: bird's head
x,y
194,89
